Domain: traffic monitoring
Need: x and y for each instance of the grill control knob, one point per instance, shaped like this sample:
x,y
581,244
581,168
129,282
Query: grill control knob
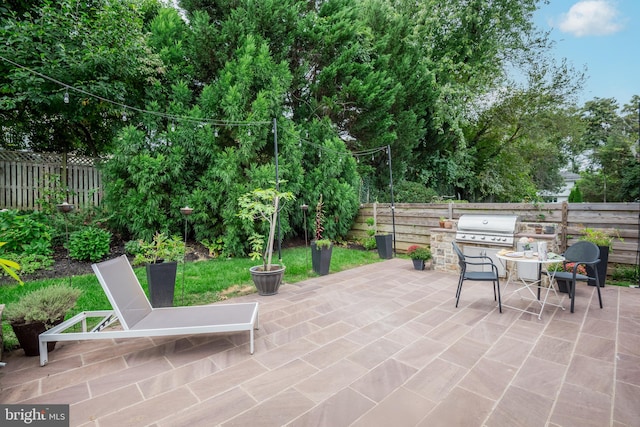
x,y
473,237
483,237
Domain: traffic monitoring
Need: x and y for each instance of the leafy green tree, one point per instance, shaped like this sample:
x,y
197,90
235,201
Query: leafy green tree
x,y
97,48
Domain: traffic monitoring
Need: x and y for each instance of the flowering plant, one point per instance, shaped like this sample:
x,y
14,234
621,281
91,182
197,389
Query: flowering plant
x,y
568,267
418,252
526,243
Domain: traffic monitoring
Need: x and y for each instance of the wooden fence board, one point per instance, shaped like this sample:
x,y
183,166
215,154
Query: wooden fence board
x,y
24,178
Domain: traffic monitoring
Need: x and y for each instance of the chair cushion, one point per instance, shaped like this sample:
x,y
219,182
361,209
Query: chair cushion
x,y
480,275
565,275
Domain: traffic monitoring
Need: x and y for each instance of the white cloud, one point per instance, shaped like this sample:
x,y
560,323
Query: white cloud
x,y
591,18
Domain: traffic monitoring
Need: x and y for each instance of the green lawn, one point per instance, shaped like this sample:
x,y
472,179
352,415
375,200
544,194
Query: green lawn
x,y
204,281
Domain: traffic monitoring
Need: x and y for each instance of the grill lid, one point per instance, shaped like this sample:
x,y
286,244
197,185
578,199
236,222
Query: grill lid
x,y
488,224
492,229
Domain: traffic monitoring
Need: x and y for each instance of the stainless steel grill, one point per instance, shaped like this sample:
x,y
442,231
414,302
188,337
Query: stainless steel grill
x,y
488,229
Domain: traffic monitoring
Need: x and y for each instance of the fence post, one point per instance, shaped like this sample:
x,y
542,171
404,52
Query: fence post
x,y
564,225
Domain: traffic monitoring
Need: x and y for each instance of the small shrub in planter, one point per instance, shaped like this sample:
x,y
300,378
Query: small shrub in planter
x,y
38,311
419,255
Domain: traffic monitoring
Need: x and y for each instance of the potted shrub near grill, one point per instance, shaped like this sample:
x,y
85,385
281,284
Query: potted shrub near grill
x,y
263,205
320,248
160,256
39,311
419,255
604,241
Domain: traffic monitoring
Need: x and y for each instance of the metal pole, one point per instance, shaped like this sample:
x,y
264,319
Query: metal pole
x,y
393,206
275,149
65,208
186,211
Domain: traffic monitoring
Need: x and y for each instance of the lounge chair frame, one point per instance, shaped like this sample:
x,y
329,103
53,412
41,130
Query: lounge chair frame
x,y
138,319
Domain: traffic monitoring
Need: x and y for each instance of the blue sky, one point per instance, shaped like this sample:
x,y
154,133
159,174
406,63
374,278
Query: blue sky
x,y
604,36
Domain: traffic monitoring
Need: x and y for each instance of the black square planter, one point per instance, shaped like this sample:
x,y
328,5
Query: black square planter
x,y
384,242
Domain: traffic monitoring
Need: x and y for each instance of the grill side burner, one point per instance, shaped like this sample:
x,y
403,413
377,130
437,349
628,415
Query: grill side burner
x,y
496,230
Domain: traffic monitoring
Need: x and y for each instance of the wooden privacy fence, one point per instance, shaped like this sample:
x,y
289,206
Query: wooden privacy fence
x,y
413,221
27,177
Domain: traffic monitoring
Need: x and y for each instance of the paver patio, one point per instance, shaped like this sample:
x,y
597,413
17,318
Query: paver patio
x,y
377,345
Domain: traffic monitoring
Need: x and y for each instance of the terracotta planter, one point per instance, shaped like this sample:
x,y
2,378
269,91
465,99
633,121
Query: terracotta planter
x,y
267,282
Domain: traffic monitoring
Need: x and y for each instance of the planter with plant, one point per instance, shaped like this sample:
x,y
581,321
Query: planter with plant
x,y
604,241
320,248
442,221
419,255
38,311
563,284
263,206
160,257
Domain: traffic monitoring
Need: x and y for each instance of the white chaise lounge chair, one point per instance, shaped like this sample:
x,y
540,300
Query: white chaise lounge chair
x,y
138,319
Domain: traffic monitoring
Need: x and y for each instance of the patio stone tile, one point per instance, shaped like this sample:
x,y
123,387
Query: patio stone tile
x,y
383,379
206,349
118,348
113,381
72,394
553,349
436,380
465,352
330,333
580,406
342,409
285,353
401,408
447,333
225,380
461,408
330,353
293,333
488,378
596,347
562,329
176,378
599,327
420,353
19,393
369,333
469,317
151,410
591,374
521,408
277,411
23,373
374,353
81,375
270,383
409,333
108,403
435,317
510,351
628,369
329,380
540,376
212,411
629,344
626,404
486,332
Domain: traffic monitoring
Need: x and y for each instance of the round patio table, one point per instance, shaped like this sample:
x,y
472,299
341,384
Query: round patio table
x,y
530,285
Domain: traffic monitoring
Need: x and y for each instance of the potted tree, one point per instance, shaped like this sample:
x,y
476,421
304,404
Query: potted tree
x,y
38,311
320,248
604,241
160,257
419,255
264,205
